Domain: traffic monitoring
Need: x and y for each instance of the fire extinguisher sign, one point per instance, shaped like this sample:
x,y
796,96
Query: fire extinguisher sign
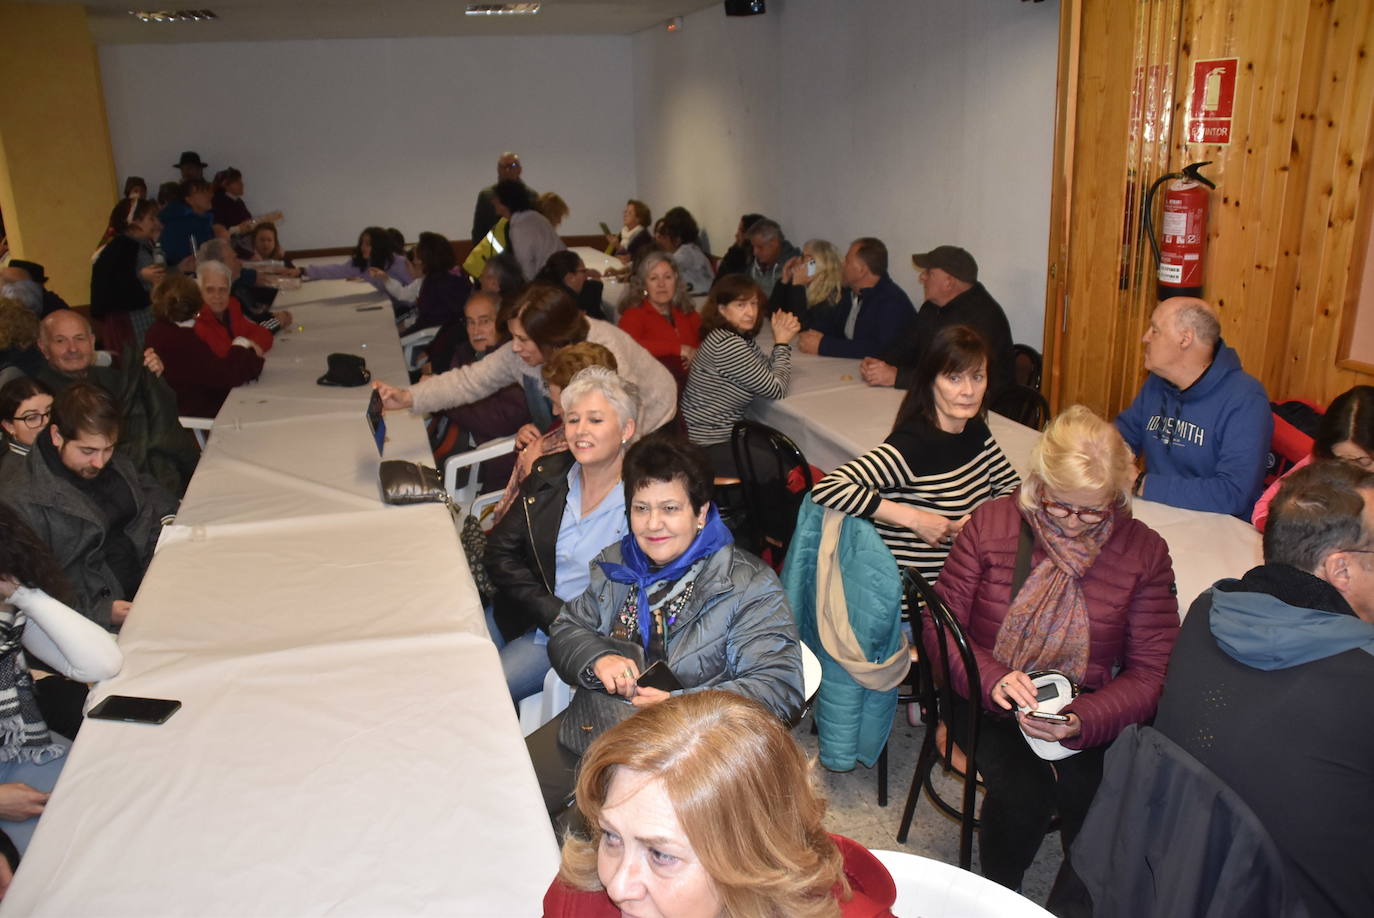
x,y
1212,101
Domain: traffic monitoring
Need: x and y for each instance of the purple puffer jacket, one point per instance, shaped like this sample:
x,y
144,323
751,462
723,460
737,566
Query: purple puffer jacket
x,y
1132,612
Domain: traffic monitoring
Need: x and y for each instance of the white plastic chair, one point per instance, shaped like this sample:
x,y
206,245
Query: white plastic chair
x,y
542,707
413,342
934,889
811,673
198,427
466,496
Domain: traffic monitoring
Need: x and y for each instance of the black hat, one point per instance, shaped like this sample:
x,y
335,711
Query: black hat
x,y
32,268
951,259
346,370
189,158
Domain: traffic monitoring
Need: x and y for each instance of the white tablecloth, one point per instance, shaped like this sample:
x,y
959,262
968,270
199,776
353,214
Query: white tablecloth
x,y
346,744
834,417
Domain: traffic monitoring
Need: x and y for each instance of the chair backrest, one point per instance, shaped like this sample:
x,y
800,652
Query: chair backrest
x,y
1028,365
1023,405
921,595
464,495
765,457
1166,836
934,889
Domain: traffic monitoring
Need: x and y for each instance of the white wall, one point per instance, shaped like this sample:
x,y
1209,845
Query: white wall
x,y
398,132
920,123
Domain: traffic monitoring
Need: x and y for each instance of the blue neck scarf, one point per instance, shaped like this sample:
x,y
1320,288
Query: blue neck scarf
x,y
637,569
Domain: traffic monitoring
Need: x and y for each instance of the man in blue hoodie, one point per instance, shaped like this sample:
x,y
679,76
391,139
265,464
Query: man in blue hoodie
x,y
1201,423
1269,684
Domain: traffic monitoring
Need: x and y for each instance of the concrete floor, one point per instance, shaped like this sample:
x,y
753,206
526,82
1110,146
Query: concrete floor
x,y
853,809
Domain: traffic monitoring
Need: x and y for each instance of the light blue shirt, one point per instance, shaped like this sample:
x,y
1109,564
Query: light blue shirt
x,y
581,538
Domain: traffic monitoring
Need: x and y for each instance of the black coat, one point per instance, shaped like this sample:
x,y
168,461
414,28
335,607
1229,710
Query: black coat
x,y
115,284
975,308
521,558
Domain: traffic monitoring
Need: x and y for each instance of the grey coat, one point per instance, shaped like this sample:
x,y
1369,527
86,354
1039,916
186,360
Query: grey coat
x,y
71,525
737,633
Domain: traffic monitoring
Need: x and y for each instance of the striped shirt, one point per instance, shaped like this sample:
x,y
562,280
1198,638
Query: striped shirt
x,y
728,373
939,472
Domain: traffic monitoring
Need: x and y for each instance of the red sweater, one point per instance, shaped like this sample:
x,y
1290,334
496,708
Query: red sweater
x,y
874,891
656,334
1132,615
212,331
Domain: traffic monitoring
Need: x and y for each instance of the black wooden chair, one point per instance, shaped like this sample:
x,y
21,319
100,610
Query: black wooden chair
x,y
935,696
1023,405
765,457
1028,365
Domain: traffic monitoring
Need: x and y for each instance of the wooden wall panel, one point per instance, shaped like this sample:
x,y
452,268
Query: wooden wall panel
x,y
1285,232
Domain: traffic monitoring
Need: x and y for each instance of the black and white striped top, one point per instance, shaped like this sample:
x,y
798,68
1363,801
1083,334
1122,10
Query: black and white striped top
x,y
729,372
948,474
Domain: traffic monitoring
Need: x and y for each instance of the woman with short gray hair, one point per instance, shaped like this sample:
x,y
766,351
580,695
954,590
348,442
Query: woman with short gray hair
x,y
571,507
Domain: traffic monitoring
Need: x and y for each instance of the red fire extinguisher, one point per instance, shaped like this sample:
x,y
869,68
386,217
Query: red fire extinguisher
x,y
1181,252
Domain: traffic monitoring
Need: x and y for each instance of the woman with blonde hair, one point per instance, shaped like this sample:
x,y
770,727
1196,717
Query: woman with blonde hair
x,y
1096,605
811,283
704,805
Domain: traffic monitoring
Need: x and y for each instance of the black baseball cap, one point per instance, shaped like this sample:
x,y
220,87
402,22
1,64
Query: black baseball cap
x,y
951,259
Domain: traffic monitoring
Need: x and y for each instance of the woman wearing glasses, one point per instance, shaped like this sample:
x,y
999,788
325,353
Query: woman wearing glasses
x,y
25,406
1097,604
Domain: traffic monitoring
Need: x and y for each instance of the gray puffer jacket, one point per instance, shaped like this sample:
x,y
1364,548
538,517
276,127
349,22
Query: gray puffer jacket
x,y
737,634
71,525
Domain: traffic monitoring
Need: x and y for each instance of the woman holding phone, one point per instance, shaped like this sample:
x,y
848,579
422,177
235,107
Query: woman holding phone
x,y
811,284
1097,605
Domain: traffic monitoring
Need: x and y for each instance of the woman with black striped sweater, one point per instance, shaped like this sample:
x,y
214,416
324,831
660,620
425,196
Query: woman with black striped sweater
x,y
939,462
730,370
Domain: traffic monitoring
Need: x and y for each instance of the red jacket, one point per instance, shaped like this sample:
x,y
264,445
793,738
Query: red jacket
x,y
656,334
200,378
212,331
1132,612
872,886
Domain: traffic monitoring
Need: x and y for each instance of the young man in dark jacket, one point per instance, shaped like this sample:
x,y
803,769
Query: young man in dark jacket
x,y
98,515
1269,681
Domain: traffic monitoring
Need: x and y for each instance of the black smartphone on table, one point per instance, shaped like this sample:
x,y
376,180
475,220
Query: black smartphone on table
x,y
135,710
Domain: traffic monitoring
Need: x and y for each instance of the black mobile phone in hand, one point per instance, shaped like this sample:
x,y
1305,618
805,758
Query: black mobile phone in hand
x,y
660,677
132,709
607,230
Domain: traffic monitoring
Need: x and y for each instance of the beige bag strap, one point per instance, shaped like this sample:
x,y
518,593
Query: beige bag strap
x,y
832,619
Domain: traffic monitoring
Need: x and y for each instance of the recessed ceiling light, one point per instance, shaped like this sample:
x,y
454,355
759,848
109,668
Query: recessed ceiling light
x,y
501,9
173,15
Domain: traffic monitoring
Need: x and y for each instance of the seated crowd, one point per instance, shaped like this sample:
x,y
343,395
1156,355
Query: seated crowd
x,y
610,562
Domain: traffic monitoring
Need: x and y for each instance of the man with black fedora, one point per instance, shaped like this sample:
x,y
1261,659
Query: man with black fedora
x,y
953,296
20,270
192,169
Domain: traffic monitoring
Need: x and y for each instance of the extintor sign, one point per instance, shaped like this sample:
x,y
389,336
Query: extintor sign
x,y
1212,101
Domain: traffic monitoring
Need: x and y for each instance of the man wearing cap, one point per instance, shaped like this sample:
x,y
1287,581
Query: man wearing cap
x,y
870,314
192,169
484,215
20,270
949,279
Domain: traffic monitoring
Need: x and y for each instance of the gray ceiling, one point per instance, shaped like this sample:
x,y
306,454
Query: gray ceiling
x,y
260,20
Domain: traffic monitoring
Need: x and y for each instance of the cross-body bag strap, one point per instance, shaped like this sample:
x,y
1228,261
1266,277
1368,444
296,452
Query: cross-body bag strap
x,y
1024,547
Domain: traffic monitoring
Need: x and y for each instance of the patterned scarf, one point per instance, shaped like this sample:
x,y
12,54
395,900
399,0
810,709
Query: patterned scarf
x,y
23,734
1047,624
638,571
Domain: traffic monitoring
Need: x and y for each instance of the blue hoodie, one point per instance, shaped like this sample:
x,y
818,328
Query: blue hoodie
x,y
1204,446
1263,631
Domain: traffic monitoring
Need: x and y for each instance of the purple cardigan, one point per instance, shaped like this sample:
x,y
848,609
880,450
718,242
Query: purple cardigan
x,y
399,269
1132,611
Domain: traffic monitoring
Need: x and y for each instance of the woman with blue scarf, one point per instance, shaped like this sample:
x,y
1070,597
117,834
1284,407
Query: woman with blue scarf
x,y
677,589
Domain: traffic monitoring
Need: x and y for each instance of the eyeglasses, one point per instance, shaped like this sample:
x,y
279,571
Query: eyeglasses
x,y
34,419
1360,462
1089,516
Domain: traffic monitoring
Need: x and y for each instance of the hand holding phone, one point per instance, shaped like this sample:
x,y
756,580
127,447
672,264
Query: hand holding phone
x,y
659,676
1046,715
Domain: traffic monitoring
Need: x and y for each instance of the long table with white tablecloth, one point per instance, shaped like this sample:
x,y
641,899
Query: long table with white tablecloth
x,y
346,744
833,417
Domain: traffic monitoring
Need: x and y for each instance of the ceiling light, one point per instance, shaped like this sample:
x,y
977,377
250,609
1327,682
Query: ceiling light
x,y
501,9
173,15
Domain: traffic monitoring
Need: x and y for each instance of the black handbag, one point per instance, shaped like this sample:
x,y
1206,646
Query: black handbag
x,y
593,711
405,482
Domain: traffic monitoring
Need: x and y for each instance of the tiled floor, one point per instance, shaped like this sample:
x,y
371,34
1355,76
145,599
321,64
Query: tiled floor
x,y
854,811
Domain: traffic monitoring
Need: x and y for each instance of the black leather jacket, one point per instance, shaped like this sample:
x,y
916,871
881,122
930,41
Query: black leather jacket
x,y
520,555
